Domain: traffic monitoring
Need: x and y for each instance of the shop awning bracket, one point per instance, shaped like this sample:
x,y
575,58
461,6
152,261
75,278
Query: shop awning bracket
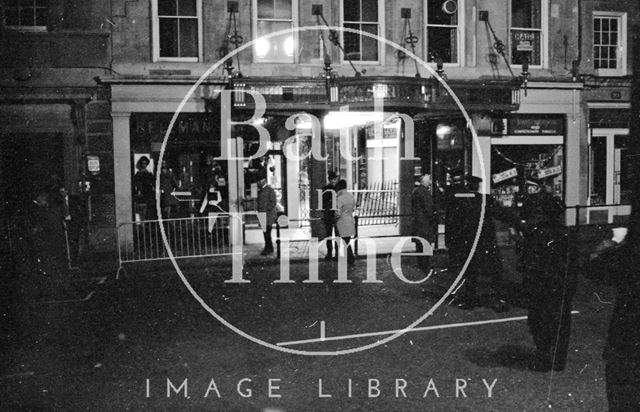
x,y
334,37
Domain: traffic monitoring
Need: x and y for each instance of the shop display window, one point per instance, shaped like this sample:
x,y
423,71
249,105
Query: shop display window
x,y
515,169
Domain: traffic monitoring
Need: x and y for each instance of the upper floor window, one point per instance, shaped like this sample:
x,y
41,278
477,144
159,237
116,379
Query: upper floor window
x,y
273,16
177,29
528,25
609,43
26,14
362,15
444,37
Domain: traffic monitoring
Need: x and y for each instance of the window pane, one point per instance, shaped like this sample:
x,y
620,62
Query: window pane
x,y
352,42
11,17
41,16
265,9
283,9
369,45
167,7
42,3
188,37
605,24
27,17
27,4
526,13
352,10
614,24
11,3
279,48
370,10
436,15
168,38
442,43
605,38
187,8
599,170
596,25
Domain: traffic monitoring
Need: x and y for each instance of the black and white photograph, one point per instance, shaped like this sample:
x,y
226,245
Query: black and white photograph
x,y
320,205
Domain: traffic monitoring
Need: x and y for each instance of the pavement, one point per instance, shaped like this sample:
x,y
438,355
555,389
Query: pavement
x,y
147,342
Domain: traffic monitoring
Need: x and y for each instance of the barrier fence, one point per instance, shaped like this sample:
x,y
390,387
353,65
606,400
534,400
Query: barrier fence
x,y
208,236
186,237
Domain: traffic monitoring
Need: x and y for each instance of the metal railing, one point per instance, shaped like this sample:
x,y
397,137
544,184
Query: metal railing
x,y
581,215
192,237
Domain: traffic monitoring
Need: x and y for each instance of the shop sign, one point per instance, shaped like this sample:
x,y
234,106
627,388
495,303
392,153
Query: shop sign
x,y
550,171
536,125
507,174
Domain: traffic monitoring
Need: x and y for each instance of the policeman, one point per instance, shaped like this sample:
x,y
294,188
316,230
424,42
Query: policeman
x,y
548,283
485,263
454,226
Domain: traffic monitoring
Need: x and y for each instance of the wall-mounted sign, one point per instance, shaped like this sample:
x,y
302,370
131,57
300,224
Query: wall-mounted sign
x,y
536,125
507,174
93,164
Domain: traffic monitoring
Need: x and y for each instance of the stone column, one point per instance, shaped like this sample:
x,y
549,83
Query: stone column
x,y
122,174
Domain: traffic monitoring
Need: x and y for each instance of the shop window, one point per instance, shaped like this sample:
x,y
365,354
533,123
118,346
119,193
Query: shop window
x,y
26,14
177,30
273,16
362,15
444,30
528,20
516,169
609,43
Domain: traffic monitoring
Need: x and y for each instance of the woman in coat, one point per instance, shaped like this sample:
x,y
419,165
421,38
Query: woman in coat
x,y
345,224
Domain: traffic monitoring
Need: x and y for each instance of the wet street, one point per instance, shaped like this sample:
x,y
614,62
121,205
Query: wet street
x,y
147,342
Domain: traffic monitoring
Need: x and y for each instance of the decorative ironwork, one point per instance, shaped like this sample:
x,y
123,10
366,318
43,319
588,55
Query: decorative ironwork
x,y
409,39
231,38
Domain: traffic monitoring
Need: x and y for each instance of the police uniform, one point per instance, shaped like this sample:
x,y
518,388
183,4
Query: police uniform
x,y
548,283
485,263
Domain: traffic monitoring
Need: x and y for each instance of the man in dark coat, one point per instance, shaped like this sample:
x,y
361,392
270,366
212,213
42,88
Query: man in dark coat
x,y
617,264
328,215
423,221
548,281
485,263
454,226
267,202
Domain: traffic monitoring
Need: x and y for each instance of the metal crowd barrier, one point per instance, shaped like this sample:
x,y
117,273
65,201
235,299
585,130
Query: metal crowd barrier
x,y
193,237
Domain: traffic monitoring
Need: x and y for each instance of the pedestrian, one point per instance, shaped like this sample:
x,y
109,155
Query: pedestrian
x,y
267,204
168,184
345,224
615,262
485,264
144,189
454,224
328,215
423,219
74,221
548,281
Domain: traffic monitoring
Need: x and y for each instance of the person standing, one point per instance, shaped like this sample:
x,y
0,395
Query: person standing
x,y
548,282
144,189
454,224
485,263
615,262
168,184
328,215
267,204
345,224
423,221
